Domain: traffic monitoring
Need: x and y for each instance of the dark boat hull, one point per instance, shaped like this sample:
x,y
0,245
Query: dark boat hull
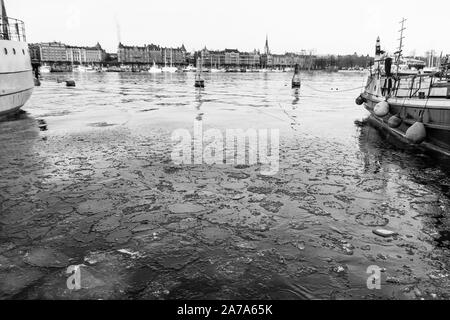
x,y
436,119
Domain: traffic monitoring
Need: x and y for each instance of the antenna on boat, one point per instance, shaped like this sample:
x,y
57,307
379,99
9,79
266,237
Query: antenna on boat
x,y
4,32
399,53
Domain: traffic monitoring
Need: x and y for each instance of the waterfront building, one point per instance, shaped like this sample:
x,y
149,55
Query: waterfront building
x,y
86,55
250,59
176,55
133,54
148,54
232,57
155,54
57,52
48,52
213,59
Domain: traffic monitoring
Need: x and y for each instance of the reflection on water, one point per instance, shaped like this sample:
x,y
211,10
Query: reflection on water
x,y
100,179
296,100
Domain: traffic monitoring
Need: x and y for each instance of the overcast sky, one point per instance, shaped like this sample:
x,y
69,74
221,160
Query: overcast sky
x,y
328,26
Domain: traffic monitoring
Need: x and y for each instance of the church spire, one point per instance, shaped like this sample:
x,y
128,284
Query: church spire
x,y
266,47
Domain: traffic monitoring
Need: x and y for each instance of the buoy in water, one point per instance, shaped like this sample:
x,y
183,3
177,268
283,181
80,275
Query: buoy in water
x,y
37,82
296,81
395,121
416,133
381,109
360,100
70,83
199,83
42,125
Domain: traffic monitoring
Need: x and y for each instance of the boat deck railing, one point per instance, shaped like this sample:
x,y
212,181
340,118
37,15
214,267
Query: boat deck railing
x,y
12,29
421,86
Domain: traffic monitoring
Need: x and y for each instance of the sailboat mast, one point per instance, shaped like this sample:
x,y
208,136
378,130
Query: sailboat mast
x,y
165,57
400,48
4,21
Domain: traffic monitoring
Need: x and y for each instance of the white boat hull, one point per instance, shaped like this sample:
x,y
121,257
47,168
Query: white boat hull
x,y
155,70
169,69
16,77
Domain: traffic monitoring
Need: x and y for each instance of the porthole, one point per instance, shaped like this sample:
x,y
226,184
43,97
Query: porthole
x,y
6,50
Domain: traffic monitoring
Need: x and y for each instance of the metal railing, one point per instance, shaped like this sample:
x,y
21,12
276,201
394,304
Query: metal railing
x,y
12,29
416,86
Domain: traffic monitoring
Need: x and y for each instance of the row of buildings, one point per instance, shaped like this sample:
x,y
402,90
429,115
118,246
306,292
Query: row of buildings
x,y
228,58
150,54
57,52
62,56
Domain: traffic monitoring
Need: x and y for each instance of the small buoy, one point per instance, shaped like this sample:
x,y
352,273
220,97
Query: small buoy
x,y
296,81
70,83
381,109
416,133
42,125
200,83
296,84
360,100
395,121
37,82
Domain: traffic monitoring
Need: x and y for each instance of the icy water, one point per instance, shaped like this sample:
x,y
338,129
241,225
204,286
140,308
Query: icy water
x,y
98,189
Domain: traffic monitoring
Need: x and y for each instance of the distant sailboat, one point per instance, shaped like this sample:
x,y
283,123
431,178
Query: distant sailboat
x,y
45,69
155,68
190,68
82,68
213,70
170,69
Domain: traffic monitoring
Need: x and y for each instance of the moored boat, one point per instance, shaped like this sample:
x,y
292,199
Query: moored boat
x,y
415,107
155,68
45,69
16,75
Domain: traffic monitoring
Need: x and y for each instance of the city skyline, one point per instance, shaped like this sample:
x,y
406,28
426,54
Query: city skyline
x,y
108,22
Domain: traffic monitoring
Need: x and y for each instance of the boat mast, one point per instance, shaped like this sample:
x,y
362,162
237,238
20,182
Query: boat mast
x,y
165,57
399,53
4,21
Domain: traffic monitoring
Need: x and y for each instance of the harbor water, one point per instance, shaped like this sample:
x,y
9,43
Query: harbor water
x,y
87,180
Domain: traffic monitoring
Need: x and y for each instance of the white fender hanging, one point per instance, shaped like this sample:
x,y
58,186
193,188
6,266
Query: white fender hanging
x,y
395,121
416,133
381,109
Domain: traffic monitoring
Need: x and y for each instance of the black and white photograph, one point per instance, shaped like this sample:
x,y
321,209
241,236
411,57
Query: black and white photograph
x,y
194,151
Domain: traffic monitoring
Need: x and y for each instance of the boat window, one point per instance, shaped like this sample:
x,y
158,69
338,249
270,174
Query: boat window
x,y
6,50
23,51
14,51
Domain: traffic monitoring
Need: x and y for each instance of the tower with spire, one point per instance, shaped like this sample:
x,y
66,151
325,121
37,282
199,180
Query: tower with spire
x,y
266,58
266,47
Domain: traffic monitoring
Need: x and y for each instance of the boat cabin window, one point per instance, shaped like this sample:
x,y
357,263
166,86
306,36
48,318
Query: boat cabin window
x,y
6,50
14,51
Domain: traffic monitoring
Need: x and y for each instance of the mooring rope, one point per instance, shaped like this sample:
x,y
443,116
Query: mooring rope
x,y
334,91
